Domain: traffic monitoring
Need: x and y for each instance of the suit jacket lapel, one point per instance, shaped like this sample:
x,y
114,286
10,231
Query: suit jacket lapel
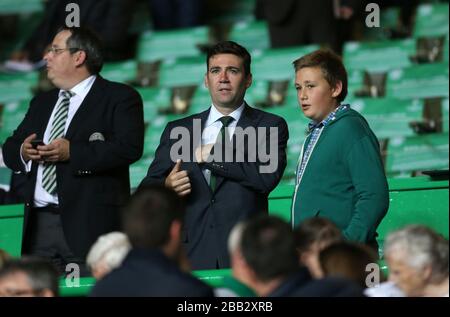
x,y
46,113
92,98
203,116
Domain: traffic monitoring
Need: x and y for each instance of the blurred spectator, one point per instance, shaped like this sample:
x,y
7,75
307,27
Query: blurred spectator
x,y
263,254
108,18
174,14
107,253
4,256
312,236
301,22
264,258
29,277
347,260
417,258
153,222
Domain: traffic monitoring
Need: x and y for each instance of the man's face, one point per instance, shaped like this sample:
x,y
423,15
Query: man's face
x,y
227,81
16,284
316,97
60,63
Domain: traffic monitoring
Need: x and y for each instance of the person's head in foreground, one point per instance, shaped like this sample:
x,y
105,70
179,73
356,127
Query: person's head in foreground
x,y
29,277
107,253
417,258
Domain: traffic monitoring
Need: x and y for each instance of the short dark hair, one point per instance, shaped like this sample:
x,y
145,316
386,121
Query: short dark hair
x,y
348,260
41,273
330,64
315,229
84,39
149,215
230,47
267,245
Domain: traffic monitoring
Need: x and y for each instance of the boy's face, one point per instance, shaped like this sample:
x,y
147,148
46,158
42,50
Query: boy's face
x,y
316,97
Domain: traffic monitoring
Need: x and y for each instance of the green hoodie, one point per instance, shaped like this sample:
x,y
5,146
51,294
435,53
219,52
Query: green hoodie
x,y
344,179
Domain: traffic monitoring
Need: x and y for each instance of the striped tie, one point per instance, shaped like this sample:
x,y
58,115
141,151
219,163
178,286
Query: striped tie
x,y
57,131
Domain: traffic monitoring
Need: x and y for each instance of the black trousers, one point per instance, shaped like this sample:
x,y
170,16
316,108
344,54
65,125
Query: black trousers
x,y
45,239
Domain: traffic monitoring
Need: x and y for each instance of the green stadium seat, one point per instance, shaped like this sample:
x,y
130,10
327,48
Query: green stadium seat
x,y
138,170
431,20
11,223
389,18
20,7
5,177
355,83
251,35
154,98
201,100
120,71
183,71
159,45
12,115
371,56
276,64
390,117
445,115
14,87
417,153
419,81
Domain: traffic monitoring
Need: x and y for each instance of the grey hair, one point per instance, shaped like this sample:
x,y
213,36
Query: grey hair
x,y
235,237
111,248
420,247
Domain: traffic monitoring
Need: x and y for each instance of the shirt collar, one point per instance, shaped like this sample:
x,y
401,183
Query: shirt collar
x,y
82,88
331,117
215,115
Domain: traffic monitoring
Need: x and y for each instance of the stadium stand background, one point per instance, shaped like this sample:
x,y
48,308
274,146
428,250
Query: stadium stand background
x,y
400,85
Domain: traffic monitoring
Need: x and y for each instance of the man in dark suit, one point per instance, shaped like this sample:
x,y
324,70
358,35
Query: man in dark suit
x,y
156,263
220,191
91,131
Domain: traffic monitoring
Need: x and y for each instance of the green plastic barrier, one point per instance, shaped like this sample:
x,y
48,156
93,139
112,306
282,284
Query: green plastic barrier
x,y
214,278
419,81
431,20
372,56
11,224
161,45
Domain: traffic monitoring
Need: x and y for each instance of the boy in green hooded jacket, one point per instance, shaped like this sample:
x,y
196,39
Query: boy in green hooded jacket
x,y
340,174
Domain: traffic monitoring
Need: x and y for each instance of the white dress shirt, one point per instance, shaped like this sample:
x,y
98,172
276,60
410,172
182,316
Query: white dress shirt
x,y
213,126
41,197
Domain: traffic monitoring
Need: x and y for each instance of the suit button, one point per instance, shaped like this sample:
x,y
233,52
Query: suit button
x,y
213,201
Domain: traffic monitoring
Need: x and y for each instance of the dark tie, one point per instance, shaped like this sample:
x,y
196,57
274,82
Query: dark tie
x,y
221,137
57,131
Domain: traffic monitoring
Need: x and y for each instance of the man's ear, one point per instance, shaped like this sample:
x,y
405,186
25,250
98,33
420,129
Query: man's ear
x,y
248,80
336,91
80,57
206,80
